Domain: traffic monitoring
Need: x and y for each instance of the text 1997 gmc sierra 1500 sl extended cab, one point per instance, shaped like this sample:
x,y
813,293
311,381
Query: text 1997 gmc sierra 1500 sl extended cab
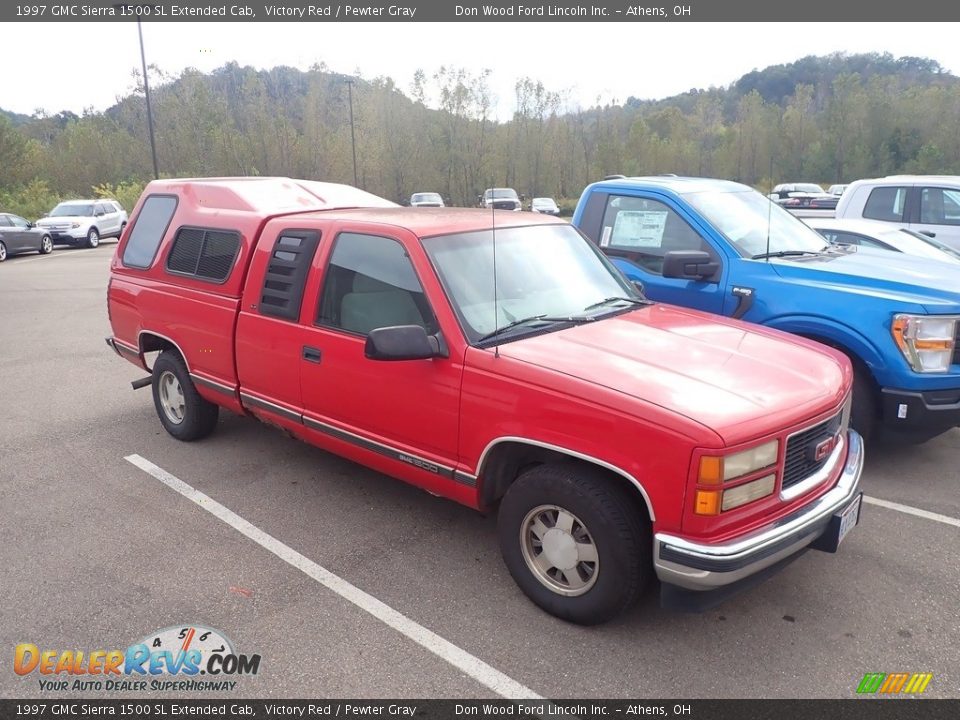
x,y
621,439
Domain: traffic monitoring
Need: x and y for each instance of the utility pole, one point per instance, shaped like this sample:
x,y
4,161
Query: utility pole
x,y
146,90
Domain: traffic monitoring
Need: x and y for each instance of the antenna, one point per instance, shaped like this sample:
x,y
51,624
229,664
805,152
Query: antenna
x,y
493,239
770,206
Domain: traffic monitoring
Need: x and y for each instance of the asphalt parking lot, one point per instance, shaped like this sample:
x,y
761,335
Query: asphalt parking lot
x,y
96,553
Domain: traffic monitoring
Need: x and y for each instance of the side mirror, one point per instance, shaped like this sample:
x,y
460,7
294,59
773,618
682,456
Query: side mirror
x,y
638,285
689,265
522,197
403,342
30,224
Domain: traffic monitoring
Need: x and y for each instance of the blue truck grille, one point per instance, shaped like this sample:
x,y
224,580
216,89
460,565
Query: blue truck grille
x,y
799,463
956,347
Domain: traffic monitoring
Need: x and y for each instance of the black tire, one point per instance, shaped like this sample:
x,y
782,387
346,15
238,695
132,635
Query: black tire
x,y
123,226
93,237
3,251
864,416
46,245
604,513
190,417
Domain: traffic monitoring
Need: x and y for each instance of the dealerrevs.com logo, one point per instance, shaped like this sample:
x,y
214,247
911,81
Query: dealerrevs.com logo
x,y
186,657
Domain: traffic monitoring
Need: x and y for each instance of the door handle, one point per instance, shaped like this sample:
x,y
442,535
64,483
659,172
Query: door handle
x,y
311,354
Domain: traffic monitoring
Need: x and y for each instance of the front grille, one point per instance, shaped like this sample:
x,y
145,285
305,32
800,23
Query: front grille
x,y
504,205
799,463
956,347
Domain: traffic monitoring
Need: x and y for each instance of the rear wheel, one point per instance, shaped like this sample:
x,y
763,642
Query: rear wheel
x,y
3,251
574,542
93,238
182,412
46,245
123,226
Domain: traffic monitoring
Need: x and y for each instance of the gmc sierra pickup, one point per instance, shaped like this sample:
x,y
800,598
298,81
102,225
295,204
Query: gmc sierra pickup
x,y
621,440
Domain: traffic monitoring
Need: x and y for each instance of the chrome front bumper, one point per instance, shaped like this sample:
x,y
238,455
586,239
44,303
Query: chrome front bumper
x,y
702,567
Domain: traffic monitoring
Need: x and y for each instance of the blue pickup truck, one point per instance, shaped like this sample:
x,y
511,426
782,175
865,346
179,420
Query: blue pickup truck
x,y
724,248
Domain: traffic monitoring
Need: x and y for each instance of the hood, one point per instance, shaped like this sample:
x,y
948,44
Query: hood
x,y
932,285
60,219
737,379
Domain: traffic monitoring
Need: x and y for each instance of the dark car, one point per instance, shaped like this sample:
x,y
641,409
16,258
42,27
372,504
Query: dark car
x,y
19,236
803,196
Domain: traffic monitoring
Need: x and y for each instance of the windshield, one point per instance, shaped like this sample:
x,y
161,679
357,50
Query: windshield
x,y
504,193
426,197
747,218
808,188
545,270
543,202
73,209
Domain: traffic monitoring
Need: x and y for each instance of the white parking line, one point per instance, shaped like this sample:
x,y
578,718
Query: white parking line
x,y
459,658
72,253
926,514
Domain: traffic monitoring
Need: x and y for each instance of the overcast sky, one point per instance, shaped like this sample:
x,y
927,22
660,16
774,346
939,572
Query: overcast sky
x,y
73,66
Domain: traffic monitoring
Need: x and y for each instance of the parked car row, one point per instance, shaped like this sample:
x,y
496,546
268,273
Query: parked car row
x,y
76,222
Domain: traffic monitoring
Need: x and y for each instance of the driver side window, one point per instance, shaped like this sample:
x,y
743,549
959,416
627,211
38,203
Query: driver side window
x,y
370,283
644,230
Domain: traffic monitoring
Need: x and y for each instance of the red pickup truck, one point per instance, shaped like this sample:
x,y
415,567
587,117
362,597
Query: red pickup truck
x,y
622,440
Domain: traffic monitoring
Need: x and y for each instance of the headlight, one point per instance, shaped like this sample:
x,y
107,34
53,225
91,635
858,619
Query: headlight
x,y
75,225
926,341
716,470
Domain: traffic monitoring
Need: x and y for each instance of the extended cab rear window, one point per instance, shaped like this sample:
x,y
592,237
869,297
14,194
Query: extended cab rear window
x,y
203,253
148,230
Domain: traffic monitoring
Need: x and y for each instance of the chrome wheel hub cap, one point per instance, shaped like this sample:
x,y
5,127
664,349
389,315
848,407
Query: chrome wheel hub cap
x,y
171,397
559,550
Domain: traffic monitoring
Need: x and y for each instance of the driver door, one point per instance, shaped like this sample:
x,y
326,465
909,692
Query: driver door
x,y
406,410
637,231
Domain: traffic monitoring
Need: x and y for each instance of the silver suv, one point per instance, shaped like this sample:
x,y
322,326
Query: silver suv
x,y
84,222
929,204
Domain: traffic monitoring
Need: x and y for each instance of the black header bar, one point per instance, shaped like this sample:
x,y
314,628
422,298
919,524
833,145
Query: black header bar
x,y
69,708
465,11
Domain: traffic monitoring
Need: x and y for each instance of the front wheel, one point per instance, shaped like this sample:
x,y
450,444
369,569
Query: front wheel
x,y
46,245
3,251
93,238
575,542
182,412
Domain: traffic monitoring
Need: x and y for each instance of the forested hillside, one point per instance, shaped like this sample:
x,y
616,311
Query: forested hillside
x,y
828,119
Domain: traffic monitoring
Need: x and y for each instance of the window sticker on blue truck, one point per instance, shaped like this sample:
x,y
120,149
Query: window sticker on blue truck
x,y
639,228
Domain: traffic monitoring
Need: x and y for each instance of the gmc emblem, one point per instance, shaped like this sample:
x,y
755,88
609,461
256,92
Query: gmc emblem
x,y
821,450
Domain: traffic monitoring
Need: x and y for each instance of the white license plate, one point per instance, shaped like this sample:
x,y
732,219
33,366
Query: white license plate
x,y
848,518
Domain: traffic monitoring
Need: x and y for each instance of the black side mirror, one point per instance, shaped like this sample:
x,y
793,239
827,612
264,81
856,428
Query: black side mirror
x,y
689,265
403,342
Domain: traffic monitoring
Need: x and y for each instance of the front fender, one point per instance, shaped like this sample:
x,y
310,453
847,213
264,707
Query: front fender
x,y
835,333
